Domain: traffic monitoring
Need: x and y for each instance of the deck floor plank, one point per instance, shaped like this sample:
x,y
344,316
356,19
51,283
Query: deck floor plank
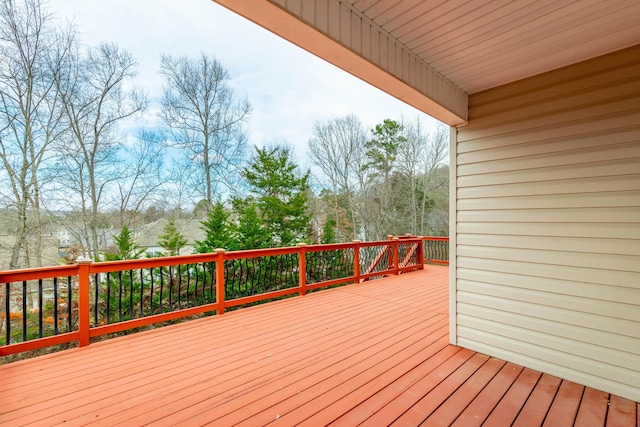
x,y
564,408
447,413
622,412
388,413
593,408
436,397
320,391
364,409
372,353
505,413
291,382
225,370
177,366
478,410
537,406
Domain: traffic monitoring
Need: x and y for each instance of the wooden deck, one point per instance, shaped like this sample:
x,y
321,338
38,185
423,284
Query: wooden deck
x,y
374,354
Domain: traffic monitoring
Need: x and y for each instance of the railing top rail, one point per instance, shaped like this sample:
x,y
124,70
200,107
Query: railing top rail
x,y
330,247
256,253
122,265
9,276
132,264
435,238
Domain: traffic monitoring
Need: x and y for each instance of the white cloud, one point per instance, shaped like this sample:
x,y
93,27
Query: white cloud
x,y
288,88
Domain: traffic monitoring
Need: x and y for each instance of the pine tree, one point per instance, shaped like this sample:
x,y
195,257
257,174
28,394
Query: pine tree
x,y
382,149
126,247
171,240
252,233
281,194
329,231
219,231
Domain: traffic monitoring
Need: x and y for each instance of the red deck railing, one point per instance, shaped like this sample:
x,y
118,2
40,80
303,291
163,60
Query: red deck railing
x,y
78,302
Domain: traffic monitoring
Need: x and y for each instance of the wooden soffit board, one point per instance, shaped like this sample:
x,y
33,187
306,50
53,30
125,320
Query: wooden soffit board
x,y
338,33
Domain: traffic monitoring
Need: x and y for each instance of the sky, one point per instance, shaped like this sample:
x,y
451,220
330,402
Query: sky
x,y
289,89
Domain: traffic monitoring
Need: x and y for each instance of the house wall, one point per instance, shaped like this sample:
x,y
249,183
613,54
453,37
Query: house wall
x,y
547,244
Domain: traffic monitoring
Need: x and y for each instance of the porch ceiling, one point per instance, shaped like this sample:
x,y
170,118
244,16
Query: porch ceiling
x,y
482,44
433,54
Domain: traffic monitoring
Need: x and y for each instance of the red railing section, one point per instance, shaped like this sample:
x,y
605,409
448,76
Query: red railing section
x,y
436,250
78,302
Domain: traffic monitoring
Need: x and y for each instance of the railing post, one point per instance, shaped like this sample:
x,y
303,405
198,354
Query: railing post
x,y
84,275
356,261
219,280
396,257
421,253
302,267
390,254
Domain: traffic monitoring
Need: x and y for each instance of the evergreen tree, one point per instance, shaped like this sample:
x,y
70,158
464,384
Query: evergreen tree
x,y
252,233
171,240
281,194
382,149
219,231
329,231
126,247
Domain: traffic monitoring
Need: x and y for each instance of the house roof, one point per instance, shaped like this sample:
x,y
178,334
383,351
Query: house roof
x,y
433,54
190,228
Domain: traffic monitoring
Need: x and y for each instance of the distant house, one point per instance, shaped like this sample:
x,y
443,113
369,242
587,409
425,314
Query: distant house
x,y
148,235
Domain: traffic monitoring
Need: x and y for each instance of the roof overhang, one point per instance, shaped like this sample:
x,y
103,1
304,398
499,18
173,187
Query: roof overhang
x,y
431,55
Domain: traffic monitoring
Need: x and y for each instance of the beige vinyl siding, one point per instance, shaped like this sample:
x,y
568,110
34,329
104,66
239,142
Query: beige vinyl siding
x,y
547,223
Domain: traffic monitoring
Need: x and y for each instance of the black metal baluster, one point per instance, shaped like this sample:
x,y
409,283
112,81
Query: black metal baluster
x,y
266,268
239,268
214,280
69,304
141,314
195,289
212,271
108,298
55,306
151,290
40,308
130,294
161,289
195,286
7,311
204,283
24,310
95,302
188,285
232,290
243,265
252,276
272,270
119,295
170,288
229,291
179,287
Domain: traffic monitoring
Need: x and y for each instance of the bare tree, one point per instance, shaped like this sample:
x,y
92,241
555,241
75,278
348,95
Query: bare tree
x,y
32,51
205,120
140,174
420,156
435,182
337,148
95,103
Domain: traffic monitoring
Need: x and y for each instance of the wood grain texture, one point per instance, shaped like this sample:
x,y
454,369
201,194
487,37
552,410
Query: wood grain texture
x,y
374,353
